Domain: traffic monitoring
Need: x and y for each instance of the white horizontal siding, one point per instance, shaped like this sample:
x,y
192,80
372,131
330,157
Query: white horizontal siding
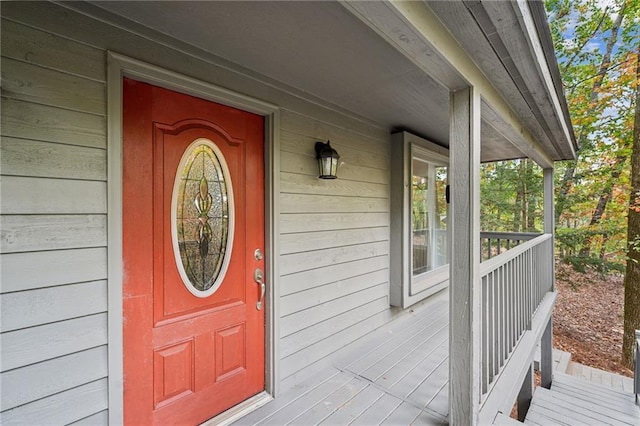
x,y
23,157
308,165
317,277
45,123
53,266
292,243
98,419
330,203
38,47
52,196
52,376
310,222
85,399
20,233
24,309
298,262
352,134
37,344
321,312
25,271
319,295
32,83
334,240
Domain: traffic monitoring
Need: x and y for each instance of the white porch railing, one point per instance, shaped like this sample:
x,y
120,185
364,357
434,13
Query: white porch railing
x,y
514,284
494,243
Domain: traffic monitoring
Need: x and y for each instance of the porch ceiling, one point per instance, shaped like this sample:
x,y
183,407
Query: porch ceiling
x,y
318,48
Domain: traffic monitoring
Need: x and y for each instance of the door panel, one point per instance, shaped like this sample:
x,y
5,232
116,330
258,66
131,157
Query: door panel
x,y
189,355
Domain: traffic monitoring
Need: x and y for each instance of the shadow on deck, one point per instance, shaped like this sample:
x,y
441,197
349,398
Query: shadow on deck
x,y
398,375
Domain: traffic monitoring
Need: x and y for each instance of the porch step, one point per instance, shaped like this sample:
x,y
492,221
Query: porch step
x,y
600,377
561,360
575,401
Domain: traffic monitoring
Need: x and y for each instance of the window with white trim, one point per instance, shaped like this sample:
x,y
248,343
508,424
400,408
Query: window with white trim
x,y
419,224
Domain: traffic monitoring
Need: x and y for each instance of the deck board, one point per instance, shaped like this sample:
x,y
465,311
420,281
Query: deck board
x,y
429,388
589,395
547,417
359,386
295,401
405,414
420,343
421,372
576,401
351,410
595,375
333,403
579,414
373,353
399,375
409,361
597,391
378,412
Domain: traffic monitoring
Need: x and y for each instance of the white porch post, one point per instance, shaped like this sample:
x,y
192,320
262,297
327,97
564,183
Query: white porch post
x,y
549,214
546,344
464,268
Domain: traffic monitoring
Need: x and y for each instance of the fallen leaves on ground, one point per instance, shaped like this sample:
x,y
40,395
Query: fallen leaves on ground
x,y
588,318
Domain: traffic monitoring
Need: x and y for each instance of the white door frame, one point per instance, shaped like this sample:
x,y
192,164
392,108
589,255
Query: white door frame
x,y
119,66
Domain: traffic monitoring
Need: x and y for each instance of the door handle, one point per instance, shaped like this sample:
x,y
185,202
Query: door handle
x,y
258,277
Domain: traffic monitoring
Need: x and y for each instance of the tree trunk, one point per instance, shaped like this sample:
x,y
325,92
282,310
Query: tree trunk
x,y
605,196
566,183
632,276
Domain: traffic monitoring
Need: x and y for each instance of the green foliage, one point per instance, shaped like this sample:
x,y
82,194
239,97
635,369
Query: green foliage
x,y
595,43
581,264
511,196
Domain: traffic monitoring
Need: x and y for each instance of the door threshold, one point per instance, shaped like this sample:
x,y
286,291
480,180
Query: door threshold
x,y
240,410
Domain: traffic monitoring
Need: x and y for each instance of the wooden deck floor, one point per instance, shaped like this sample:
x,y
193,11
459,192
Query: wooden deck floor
x,y
575,401
397,376
601,377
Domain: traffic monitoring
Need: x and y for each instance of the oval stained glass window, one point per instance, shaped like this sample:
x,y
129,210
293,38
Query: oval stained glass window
x,y
202,217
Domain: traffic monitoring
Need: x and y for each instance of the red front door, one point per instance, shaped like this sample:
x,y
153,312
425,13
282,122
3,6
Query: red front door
x,y
193,218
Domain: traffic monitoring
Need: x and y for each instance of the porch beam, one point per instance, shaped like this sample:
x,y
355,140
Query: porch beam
x,y
415,31
464,267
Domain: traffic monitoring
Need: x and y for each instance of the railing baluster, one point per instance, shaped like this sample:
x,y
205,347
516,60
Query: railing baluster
x,y
513,296
492,327
518,299
528,288
505,280
513,285
484,335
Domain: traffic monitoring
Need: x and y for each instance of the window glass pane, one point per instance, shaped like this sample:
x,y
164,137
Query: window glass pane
x,y
429,216
202,219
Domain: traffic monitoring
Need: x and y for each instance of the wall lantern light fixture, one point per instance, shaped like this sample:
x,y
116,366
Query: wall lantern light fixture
x,y
327,160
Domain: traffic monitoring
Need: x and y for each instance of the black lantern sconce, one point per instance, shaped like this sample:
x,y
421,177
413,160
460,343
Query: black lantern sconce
x,y
327,160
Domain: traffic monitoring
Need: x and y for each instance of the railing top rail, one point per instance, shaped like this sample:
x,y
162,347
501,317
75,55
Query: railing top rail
x,y
495,262
509,235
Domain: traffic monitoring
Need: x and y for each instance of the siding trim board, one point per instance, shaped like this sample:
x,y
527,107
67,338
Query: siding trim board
x,y
120,66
